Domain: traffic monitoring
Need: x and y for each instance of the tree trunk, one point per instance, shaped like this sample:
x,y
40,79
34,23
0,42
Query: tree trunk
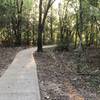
x,y
33,31
76,39
77,31
39,40
18,34
81,26
40,29
86,38
51,26
18,22
97,31
42,23
92,35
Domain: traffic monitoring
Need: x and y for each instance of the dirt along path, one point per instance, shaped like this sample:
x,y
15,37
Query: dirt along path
x,y
58,78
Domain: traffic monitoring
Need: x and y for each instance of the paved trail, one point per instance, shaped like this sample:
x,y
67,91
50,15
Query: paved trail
x,y
20,81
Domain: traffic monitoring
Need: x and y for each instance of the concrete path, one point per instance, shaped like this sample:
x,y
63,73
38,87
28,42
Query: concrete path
x,y
20,81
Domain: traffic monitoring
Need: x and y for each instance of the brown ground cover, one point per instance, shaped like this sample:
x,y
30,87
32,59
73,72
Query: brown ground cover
x,y
58,77
6,57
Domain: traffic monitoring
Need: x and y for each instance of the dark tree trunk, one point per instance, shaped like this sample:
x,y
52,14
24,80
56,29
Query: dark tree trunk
x,y
51,26
76,37
18,22
67,38
18,39
33,31
44,38
97,31
81,25
42,23
77,31
18,33
40,29
39,41
92,35
86,38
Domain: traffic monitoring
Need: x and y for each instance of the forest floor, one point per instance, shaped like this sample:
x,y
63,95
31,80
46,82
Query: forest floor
x,y
57,71
58,77
6,57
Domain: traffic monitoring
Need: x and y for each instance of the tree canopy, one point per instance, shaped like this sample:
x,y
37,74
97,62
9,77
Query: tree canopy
x,y
66,22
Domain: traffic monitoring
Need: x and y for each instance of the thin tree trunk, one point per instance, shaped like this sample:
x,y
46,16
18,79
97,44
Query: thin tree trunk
x,y
86,38
51,26
81,26
33,31
77,31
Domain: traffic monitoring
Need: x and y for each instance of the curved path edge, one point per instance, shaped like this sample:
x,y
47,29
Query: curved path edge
x,y
20,81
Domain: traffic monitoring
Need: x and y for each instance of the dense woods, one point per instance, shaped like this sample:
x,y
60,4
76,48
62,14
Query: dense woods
x,y
69,23
69,66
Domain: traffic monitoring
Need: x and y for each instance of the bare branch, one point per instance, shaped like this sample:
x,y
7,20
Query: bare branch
x,y
52,2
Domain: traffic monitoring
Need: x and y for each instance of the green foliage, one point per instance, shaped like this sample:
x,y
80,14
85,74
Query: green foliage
x,y
64,19
62,46
94,2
